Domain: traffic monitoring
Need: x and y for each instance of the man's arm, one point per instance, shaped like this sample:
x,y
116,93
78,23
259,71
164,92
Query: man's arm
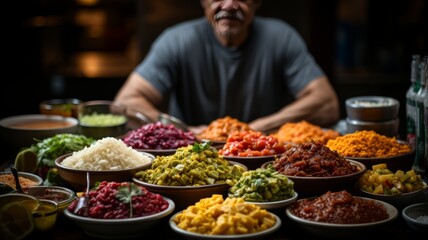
x,y
137,93
316,103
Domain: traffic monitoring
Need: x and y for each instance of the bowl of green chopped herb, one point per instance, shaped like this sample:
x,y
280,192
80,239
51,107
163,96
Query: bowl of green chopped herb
x,y
40,156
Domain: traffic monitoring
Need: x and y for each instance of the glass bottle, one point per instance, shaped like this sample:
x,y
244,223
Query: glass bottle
x,y
410,100
421,95
426,134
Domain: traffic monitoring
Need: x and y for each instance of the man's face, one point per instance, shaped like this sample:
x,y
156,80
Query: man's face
x,y
230,18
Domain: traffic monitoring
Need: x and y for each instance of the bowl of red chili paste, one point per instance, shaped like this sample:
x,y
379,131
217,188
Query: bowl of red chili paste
x,y
118,210
315,169
340,214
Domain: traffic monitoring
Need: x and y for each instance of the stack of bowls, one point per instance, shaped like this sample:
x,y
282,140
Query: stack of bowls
x,y
376,113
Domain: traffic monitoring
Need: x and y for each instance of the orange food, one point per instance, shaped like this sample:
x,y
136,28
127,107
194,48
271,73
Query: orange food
x,y
219,129
9,179
367,144
303,131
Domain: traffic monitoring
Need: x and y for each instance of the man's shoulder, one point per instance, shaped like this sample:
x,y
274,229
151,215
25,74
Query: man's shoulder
x,y
271,23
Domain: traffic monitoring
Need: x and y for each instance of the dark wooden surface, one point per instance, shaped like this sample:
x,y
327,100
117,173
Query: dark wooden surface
x,y
66,229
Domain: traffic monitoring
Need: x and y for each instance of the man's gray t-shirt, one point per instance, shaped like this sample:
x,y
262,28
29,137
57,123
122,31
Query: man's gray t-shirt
x,y
204,80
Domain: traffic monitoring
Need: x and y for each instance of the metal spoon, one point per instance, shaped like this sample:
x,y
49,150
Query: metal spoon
x,y
15,175
83,201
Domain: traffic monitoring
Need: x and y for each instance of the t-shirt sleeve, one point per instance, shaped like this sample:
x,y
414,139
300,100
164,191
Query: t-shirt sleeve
x,y
158,66
300,67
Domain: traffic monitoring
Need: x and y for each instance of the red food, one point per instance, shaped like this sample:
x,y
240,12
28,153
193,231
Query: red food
x,y
312,159
104,204
158,136
339,207
251,144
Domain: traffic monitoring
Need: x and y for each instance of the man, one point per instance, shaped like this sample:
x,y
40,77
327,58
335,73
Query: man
x,y
231,63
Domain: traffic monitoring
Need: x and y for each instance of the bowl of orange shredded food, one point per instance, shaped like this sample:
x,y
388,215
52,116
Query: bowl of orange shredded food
x,y
315,169
303,131
371,148
218,130
340,214
232,218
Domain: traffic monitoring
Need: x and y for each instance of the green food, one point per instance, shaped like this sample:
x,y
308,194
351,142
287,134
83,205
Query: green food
x,y
125,194
102,119
51,148
262,185
194,165
26,161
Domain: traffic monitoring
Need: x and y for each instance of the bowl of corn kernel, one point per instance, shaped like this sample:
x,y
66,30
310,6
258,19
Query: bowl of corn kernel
x,y
243,220
191,173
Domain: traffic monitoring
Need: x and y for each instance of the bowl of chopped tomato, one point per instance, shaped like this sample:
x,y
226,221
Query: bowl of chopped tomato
x,y
251,148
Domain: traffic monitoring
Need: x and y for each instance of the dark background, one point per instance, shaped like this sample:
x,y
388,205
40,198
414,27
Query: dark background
x,y
86,48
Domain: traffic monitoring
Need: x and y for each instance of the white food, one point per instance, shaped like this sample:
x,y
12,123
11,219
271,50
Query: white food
x,y
106,154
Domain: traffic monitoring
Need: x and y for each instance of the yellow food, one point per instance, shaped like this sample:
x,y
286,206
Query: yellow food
x,y
380,180
216,216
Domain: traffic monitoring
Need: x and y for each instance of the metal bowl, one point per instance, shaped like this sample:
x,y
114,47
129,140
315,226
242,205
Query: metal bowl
x,y
372,108
168,119
387,128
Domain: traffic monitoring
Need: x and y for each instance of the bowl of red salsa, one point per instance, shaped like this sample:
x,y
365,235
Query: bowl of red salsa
x,y
340,214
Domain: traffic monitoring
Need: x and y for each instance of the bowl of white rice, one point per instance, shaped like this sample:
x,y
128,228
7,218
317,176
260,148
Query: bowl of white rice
x,y
107,159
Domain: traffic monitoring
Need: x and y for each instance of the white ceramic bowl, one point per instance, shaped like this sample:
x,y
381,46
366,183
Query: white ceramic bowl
x,y
198,236
20,131
335,230
416,216
120,228
276,204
